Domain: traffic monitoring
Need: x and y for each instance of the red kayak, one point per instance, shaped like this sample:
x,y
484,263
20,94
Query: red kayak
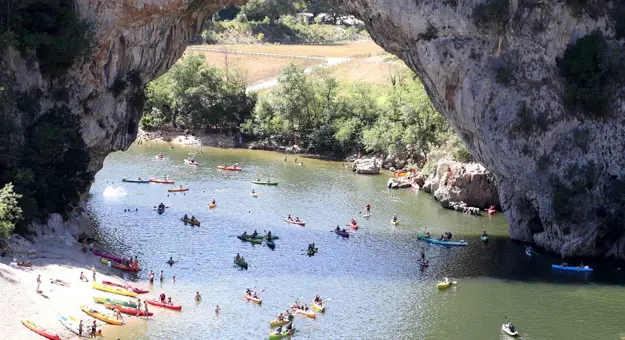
x,y
129,287
161,181
127,310
423,264
162,304
354,226
229,168
125,267
110,257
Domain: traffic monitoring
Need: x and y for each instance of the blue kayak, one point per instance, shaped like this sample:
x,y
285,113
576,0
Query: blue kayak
x,y
135,180
444,243
571,269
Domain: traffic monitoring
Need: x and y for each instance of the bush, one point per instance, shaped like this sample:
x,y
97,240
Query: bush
x,y
10,212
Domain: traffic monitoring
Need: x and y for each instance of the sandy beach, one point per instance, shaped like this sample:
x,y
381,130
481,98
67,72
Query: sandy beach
x,y
57,259
178,137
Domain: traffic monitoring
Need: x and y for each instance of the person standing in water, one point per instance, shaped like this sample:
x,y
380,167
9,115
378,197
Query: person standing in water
x,y
197,296
161,276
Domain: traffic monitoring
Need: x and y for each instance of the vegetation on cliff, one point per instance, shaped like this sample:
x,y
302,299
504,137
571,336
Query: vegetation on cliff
x,y
10,212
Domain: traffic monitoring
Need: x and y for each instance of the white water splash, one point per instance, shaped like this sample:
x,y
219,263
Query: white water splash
x,y
114,192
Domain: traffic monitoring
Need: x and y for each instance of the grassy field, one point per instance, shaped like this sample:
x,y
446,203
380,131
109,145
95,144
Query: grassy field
x,y
338,51
252,68
377,70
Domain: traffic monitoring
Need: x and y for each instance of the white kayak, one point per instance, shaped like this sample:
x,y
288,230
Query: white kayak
x,y
506,330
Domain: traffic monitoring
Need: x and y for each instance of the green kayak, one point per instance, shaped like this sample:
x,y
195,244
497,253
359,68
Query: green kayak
x,y
270,244
114,302
264,183
240,263
249,239
284,334
262,237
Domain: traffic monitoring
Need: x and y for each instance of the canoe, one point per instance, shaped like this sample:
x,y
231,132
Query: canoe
x,y
120,266
249,239
127,310
196,222
115,302
423,264
72,324
100,316
264,183
443,285
394,222
275,335
157,303
261,237
114,290
40,330
302,223
136,290
270,244
484,238
341,233
110,257
506,330
315,306
212,205
276,323
241,264
572,269
444,243
128,180
229,168
178,190
251,298
162,181
309,313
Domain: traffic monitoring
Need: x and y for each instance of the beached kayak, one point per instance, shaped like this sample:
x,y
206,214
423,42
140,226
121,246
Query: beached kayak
x,y
571,269
423,264
128,180
284,334
157,303
302,223
341,233
127,310
115,302
240,263
270,244
178,190
249,239
110,257
136,290
110,319
72,324
265,183
196,222
212,205
444,243
317,307
40,330
394,222
229,168
251,298
276,323
507,330
114,290
162,181
307,313
120,266
484,238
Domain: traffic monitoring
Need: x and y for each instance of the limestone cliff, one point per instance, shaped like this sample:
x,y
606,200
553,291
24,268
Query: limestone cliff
x,y
500,73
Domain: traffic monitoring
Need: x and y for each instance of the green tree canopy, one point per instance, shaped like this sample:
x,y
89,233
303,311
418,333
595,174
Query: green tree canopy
x,y
10,212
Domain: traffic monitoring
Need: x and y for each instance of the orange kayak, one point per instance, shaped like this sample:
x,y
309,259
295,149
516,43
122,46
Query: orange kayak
x,y
307,313
229,168
162,181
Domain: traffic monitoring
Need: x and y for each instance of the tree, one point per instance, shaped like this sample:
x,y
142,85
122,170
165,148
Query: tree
x,y
317,7
257,10
10,212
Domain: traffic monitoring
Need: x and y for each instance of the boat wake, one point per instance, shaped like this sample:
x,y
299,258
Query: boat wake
x,y
114,192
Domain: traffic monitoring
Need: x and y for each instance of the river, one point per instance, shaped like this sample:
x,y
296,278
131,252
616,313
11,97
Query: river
x,y
373,287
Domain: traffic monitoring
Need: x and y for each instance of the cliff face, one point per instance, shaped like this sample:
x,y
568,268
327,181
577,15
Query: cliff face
x,y
494,70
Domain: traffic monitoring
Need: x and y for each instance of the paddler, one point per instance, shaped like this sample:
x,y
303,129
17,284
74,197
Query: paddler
x,y
368,206
214,202
394,218
289,217
338,228
186,218
289,327
296,219
422,251
269,235
254,234
353,221
484,234
80,328
253,192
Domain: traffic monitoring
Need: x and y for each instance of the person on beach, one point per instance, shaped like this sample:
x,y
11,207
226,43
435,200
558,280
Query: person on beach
x,y
138,307
217,310
173,279
84,246
93,330
118,315
38,282
145,309
80,328
93,270
162,297
197,296
150,277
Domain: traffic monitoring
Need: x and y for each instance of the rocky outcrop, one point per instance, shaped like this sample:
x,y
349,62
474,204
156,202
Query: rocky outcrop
x,y
460,182
491,67
395,183
367,166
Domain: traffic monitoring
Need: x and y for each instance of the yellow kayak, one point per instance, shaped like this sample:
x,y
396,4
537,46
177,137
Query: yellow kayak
x,y
111,289
106,318
309,313
276,323
315,306
394,222
251,298
212,205
445,284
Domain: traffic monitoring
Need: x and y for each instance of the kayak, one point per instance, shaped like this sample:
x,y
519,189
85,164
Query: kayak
x,y
318,308
136,290
506,330
284,334
120,266
100,316
254,194
423,264
240,263
302,223
196,222
260,237
157,303
571,269
127,310
249,239
394,222
341,233
178,190
40,330
128,180
270,244
72,324
160,211
251,298
110,257
212,205
114,290
529,252
276,323
191,163
229,168
444,285
308,313
366,216
354,226
115,302
484,238
445,243
161,181
264,183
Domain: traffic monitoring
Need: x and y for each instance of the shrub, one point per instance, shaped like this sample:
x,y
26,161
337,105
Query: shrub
x,y
10,212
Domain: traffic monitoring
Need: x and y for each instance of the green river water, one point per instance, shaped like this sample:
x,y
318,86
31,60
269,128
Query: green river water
x,y
373,287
